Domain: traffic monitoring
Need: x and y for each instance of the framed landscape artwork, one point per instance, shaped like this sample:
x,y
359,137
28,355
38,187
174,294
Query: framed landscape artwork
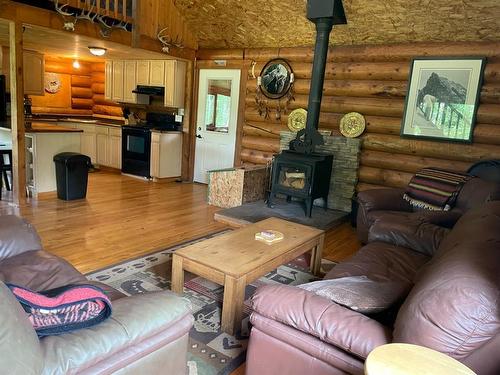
x,y
442,99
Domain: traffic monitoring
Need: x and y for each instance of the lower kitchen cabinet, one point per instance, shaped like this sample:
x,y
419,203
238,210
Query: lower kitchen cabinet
x,y
109,146
88,141
166,154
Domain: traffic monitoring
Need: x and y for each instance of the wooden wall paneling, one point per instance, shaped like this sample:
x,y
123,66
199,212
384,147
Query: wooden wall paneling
x,y
371,80
189,125
17,121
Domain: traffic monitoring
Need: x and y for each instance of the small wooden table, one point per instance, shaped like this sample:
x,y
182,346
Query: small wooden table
x,y
236,259
407,359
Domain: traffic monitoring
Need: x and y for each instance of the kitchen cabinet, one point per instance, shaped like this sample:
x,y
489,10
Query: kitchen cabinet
x,y
129,82
88,141
117,85
115,148
34,69
102,140
108,86
175,78
166,154
143,72
157,73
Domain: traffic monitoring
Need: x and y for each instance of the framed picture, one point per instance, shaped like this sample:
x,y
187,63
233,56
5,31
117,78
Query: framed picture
x,y
442,100
276,79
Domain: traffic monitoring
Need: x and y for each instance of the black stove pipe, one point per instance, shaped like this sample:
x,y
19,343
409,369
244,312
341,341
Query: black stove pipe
x,y
325,14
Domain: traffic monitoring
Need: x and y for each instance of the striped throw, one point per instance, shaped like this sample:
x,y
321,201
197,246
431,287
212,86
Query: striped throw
x,y
63,309
435,189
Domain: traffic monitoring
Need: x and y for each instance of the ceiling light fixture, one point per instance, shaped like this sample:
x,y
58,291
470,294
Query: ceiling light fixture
x,y
76,64
97,51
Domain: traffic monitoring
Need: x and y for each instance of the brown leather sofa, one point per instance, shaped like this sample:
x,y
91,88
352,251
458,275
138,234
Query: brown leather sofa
x,y
146,334
379,204
453,306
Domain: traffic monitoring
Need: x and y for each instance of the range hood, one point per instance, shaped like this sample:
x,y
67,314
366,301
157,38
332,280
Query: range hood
x,y
150,90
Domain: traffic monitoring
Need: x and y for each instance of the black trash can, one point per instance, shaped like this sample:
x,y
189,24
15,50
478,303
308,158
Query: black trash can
x,y
72,175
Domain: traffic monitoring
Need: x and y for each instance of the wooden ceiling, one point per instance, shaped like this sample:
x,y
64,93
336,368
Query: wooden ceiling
x,y
264,23
72,45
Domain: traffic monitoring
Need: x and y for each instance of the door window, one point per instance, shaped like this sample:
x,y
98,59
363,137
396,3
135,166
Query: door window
x,y
218,106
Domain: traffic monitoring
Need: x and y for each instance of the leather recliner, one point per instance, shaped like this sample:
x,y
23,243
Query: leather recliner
x,y
146,334
380,204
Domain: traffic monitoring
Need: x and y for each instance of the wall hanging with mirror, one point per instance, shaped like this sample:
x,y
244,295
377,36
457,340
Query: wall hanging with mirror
x,y
275,88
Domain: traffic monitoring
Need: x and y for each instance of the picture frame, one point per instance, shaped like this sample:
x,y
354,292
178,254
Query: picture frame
x,y
276,79
442,99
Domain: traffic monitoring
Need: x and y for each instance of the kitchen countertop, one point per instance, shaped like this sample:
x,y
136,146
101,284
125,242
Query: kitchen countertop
x,y
44,127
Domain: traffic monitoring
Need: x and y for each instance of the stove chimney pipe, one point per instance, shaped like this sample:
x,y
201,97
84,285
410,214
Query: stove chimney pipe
x,y
325,14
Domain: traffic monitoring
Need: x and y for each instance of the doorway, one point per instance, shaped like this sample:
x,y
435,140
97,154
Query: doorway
x,y
217,119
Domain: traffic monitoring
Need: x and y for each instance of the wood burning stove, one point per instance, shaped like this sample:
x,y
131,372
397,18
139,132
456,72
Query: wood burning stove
x,y
301,172
303,176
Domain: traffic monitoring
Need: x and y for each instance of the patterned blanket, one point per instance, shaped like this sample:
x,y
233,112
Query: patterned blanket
x,y
435,189
64,309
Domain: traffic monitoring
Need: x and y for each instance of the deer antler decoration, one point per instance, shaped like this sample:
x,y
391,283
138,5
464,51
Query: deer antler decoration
x,y
68,25
168,42
88,16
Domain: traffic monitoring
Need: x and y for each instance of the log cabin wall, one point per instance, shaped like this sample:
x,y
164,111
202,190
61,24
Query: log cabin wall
x,y
82,90
371,80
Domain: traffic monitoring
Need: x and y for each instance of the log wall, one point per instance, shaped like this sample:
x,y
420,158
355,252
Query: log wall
x,y
82,90
371,80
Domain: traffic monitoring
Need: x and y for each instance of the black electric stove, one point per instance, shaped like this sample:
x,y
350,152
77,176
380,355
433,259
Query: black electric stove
x,y
136,142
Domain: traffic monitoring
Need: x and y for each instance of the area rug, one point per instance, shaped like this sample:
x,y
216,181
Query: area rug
x,y
211,351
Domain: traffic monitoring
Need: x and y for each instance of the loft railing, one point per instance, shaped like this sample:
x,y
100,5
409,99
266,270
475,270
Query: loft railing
x,y
117,9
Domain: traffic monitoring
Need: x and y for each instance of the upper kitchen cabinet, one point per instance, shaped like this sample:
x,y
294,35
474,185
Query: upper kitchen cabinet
x,y
108,87
157,73
122,77
34,66
143,72
117,84
175,80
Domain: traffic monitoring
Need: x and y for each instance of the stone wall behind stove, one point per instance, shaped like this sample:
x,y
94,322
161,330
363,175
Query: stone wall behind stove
x,y
346,158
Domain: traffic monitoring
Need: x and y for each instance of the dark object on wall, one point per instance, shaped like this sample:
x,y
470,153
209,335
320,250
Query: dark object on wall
x,y
72,175
443,96
325,14
488,170
275,83
3,99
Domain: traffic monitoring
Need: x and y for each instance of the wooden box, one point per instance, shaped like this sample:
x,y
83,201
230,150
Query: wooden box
x,y
236,186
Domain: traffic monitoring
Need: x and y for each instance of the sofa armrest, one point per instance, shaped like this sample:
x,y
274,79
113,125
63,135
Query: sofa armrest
x,y
383,199
17,236
446,219
138,326
320,317
409,232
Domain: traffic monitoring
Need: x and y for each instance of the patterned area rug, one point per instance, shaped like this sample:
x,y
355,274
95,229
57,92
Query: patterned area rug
x,y
211,351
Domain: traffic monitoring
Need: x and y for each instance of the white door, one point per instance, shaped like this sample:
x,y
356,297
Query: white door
x,y
218,98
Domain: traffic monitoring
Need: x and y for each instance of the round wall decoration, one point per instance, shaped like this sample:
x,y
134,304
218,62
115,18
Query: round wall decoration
x,y
276,79
352,125
297,120
52,83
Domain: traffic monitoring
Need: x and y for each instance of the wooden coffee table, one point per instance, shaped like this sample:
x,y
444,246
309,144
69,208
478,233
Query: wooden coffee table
x,y
235,259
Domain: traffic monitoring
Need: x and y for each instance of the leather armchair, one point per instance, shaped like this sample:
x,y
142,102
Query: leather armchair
x,y
147,333
378,204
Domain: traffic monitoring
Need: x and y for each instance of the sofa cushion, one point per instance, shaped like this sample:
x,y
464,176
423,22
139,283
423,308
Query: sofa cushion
x,y
21,351
382,262
359,293
17,236
454,307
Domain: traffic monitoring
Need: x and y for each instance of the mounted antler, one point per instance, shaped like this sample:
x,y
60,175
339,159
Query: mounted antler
x,y
105,28
168,42
121,25
68,25
88,16
165,40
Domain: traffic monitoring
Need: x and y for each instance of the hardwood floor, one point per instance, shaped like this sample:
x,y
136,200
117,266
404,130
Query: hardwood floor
x,y
124,217
121,218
